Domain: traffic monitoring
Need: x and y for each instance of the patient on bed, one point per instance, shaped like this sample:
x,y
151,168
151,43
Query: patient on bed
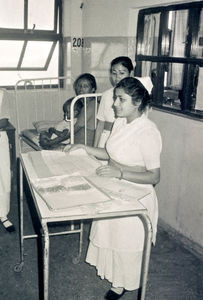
x,y
61,131
52,137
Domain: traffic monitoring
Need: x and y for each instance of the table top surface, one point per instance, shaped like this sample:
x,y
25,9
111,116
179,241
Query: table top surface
x,y
105,197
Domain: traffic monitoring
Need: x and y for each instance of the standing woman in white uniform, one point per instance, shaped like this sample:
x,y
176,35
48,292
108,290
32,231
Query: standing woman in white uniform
x,y
5,173
120,67
133,153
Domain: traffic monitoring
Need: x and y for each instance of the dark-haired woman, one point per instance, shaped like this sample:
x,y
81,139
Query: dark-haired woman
x,y
133,151
120,67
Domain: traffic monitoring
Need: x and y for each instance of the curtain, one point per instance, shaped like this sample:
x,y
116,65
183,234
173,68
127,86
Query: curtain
x,y
150,40
177,47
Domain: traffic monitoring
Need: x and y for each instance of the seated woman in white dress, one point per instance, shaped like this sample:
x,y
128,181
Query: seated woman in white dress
x,y
133,153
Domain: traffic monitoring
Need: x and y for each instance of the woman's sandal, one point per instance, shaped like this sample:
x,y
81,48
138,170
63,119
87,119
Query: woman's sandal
x,y
8,225
111,295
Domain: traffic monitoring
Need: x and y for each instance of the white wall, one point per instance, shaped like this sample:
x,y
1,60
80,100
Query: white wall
x,y
72,27
105,18
180,191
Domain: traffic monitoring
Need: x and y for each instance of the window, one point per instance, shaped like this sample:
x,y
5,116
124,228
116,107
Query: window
x,y
30,40
170,50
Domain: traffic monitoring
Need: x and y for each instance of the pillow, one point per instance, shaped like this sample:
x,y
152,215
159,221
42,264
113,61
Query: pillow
x,y
32,136
44,125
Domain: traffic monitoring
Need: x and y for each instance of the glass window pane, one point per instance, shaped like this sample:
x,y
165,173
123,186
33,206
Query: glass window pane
x,y
174,78
173,85
36,54
197,48
178,27
41,13
12,13
199,91
11,77
147,68
149,45
10,53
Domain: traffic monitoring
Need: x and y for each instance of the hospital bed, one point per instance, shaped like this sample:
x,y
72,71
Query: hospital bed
x,y
41,100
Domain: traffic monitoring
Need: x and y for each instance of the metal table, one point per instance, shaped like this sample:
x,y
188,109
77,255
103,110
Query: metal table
x,y
46,216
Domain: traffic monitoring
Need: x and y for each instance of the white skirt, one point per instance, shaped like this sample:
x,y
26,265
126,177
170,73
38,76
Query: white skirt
x,y
122,269
116,246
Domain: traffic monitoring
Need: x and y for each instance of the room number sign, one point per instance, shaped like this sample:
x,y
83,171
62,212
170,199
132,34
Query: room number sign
x,y
78,42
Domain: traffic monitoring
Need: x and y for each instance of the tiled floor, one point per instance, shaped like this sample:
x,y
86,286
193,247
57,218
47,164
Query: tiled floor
x,y
175,273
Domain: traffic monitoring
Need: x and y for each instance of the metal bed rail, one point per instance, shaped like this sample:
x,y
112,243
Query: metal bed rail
x,y
96,97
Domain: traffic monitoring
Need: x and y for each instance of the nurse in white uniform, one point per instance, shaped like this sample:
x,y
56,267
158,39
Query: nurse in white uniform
x,y
120,68
133,151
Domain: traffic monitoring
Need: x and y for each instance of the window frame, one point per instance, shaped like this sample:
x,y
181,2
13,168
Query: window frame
x,y
194,8
27,35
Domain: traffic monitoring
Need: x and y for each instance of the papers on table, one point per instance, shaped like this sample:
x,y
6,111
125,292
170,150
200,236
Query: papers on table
x,y
57,163
62,192
119,189
67,181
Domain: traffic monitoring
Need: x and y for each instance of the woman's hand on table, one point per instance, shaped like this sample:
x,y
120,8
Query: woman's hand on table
x,y
70,148
109,171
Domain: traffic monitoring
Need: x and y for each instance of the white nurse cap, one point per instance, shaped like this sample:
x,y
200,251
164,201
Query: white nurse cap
x,y
146,82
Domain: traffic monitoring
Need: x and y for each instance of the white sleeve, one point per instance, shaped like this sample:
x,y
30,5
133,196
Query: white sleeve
x,y
151,145
101,110
105,111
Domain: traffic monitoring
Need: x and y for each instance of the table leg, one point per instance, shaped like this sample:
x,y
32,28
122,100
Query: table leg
x,y
21,216
147,250
81,239
18,267
77,259
45,260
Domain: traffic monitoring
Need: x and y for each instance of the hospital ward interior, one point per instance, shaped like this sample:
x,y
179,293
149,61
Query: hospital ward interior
x,y
101,149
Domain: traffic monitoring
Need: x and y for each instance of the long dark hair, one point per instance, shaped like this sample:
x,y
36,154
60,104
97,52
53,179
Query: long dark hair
x,y
134,88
